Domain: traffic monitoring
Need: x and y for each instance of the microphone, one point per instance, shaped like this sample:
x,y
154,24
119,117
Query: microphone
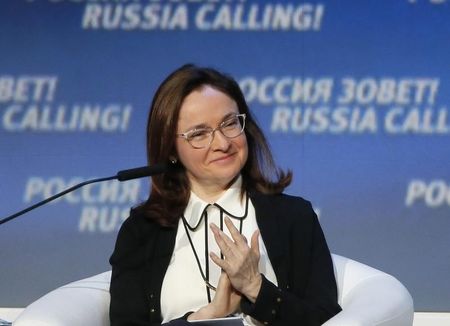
x,y
123,175
144,171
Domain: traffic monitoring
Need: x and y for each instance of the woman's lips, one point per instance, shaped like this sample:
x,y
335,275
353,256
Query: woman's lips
x,y
223,158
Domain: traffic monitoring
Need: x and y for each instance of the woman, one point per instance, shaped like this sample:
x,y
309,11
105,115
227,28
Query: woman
x,y
216,236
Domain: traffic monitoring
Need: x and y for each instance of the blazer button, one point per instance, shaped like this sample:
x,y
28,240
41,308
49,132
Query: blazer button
x,y
152,310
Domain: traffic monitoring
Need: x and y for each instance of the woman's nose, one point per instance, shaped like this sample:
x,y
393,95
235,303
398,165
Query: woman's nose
x,y
219,141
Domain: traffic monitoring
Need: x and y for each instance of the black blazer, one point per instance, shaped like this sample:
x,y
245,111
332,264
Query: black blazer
x,y
306,293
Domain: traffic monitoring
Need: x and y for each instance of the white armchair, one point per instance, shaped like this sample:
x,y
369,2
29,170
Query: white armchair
x,y
367,297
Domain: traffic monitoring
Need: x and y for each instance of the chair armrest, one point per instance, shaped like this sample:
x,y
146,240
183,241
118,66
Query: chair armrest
x,y
84,302
379,300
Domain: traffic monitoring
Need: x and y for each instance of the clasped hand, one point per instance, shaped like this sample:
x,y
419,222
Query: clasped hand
x,y
240,273
240,262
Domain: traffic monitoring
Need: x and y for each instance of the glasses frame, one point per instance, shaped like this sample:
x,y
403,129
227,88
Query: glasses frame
x,y
211,132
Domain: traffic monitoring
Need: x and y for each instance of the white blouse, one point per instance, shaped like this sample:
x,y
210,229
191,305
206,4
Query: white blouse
x,y
183,288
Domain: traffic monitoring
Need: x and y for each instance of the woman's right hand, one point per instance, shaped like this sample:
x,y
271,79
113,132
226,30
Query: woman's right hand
x,y
225,302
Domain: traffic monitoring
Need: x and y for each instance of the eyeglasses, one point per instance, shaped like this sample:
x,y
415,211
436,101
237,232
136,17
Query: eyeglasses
x,y
202,137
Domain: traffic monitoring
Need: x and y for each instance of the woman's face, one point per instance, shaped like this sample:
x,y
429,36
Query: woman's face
x,y
218,164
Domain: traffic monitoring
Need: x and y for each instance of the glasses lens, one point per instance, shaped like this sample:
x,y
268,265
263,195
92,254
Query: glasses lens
x,y
233,127
230,128
199,138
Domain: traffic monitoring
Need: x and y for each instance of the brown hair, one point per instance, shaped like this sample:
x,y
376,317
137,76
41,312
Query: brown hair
x,y
170,191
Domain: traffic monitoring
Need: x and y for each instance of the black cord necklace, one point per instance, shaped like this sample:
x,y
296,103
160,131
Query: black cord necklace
x,y
204,216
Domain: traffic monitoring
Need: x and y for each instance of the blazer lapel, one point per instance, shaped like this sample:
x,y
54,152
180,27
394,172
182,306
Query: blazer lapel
x,y
274,235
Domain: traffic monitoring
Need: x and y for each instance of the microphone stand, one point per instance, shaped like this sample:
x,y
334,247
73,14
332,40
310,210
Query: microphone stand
x,y
47,200
123,175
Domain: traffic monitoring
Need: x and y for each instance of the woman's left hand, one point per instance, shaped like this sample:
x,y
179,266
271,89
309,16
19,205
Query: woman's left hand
x,y
240,261
225,302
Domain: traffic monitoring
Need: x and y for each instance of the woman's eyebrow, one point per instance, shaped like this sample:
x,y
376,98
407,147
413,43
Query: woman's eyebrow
x,y
229,115
203,125
199,126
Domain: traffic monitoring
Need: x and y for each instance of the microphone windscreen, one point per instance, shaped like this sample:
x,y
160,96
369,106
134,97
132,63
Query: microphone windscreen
x,y
141,172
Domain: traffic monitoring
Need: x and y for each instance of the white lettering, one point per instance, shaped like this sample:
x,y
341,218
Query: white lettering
x,y
242,17
323,119
434,194
107,192
134,16
420,121
287,90
102,219
27,88
61,118
388,91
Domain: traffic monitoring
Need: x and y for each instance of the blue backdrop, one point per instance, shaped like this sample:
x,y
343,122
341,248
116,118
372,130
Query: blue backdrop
x,y
353,97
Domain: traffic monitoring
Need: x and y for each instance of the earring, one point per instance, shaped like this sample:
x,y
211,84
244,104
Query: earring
x,y
173,160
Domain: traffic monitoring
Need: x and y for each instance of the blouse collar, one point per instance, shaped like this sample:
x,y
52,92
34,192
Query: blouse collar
x,y
230,201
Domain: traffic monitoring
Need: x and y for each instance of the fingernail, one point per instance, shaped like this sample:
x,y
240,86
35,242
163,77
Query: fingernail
x,y
215,228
